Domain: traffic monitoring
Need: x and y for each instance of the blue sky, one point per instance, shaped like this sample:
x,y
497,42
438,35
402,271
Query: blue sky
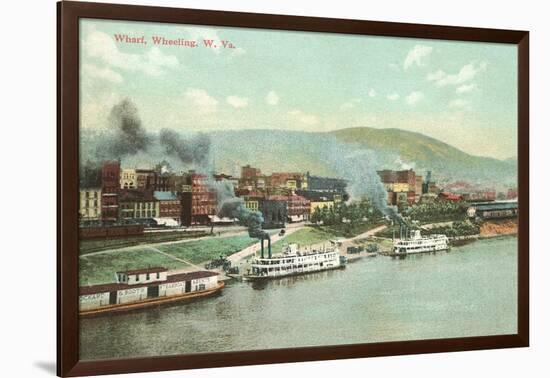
x,y
462,93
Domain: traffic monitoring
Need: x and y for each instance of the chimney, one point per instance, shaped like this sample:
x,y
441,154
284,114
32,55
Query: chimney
x,y
262,244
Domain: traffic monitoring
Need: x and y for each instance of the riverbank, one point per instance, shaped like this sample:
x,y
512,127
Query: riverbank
x,y
372,300
495,228
488,230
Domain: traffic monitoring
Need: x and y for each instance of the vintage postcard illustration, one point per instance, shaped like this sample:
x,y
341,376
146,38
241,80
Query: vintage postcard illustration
x,y
246,189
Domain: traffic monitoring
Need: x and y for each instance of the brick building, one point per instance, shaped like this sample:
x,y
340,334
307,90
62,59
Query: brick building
x,y
299,208
110,187
203,200
402,186
169,205
137,205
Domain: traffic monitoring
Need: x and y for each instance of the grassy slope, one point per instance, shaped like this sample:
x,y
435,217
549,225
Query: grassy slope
x,y
305,236
98,269
207,249
101,268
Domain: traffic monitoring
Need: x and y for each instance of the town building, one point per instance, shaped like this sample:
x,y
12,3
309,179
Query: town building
x,y
274,211
493,210
110,187
326,185
128,179
138,205
299,208
203,200
450,197
288,180
320,204
178,183
161,182
145,179
169,205
90,204
251,178
253,200
401,186
320,200
480,195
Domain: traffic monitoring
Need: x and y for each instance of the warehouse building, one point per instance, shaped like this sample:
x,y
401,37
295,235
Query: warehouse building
x,y
493,210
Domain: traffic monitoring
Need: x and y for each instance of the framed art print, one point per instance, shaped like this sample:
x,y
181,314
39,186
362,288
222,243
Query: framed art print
x,y
240,188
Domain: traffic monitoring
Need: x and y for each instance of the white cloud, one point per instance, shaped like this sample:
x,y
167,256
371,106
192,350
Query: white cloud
x,y
460,104
414,97
94,109
466,74
393,97
417,55
350,104
307,119
200,34
237,102
201,100
102,46
272,98
94,72
372,92
465,88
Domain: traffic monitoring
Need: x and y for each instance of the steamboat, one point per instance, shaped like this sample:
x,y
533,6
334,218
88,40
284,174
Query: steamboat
x,y
416,243
293,261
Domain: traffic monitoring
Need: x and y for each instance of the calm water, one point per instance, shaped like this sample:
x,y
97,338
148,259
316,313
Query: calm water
x,y
469,291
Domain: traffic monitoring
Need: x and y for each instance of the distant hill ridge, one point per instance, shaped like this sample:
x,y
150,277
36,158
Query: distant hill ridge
x,y
276,150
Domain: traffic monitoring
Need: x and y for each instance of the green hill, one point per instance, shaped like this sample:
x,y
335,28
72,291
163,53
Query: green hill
x,y
426,153
320,153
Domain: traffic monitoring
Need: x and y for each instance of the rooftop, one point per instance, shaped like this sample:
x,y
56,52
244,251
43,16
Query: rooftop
x,y
145,270
166,196
104,288
495,205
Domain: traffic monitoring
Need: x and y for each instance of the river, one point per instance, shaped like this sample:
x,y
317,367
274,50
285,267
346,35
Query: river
x,y
469,291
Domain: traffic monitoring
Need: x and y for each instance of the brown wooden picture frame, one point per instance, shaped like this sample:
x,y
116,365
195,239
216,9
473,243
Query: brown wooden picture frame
x,y
69,13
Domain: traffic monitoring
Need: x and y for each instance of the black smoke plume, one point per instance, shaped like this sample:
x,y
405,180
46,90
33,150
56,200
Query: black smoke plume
x,y
233,207
130,136
90,174
192,150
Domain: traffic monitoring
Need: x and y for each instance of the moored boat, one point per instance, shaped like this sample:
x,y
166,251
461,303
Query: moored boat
x,y
135,289
293,261
416,243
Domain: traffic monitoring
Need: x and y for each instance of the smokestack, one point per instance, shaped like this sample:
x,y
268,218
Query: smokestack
x,y
262,244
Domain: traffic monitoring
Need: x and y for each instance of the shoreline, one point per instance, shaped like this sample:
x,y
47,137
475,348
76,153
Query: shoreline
x,y
467,239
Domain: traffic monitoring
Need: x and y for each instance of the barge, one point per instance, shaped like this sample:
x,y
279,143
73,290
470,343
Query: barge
x,y
136,289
